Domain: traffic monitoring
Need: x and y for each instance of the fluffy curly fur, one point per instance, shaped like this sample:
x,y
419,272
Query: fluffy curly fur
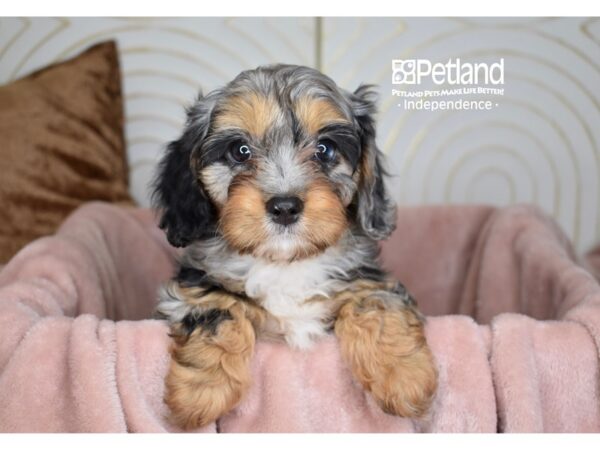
x,y
278,133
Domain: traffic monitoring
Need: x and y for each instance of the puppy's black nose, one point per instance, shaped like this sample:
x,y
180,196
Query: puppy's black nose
x,y
285,210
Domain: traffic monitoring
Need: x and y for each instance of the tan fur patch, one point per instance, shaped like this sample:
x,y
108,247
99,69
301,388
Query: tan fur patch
x,y
315,113
210,372
242,217
252,112
323,220
387,352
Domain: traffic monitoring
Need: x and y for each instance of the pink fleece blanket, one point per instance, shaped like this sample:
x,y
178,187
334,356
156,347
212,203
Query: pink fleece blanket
x,y
77,352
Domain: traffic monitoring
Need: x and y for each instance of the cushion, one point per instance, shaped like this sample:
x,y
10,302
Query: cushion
x,y
62,144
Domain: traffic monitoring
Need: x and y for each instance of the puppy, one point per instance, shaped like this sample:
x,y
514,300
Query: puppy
x,y
276,191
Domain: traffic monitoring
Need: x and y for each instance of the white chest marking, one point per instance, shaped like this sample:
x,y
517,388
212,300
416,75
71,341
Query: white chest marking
x,y
282,289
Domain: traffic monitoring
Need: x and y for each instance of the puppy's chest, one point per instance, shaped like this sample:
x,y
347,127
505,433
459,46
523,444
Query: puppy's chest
x,y
296,297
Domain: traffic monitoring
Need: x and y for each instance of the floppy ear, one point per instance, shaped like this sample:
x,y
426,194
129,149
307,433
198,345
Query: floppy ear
x,y
376,212
187,213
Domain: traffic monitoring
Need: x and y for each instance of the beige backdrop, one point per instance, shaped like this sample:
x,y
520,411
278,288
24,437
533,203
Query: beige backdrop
x,y
541,145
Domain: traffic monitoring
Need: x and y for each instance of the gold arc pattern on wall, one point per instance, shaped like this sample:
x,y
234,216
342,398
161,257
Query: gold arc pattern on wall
x,y
402,119
495,125
307,43
490,150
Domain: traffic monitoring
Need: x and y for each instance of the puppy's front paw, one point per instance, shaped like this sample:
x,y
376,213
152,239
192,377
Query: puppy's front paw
x,y
209,372
383,340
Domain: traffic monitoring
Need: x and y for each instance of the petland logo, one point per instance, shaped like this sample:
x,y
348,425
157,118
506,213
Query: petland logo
x,y
454,72
479,81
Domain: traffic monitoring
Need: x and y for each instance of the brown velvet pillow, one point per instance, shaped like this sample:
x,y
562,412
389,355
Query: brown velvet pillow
x,y
61,144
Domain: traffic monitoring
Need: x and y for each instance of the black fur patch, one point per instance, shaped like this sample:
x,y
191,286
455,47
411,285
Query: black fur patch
x,y
208,320
187,212
218,144
188,277
346,140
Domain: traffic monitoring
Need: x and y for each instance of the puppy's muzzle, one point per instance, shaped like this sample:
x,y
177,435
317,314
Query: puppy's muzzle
x,y
285,210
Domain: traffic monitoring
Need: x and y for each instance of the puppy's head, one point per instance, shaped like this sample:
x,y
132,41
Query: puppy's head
x,y
281,162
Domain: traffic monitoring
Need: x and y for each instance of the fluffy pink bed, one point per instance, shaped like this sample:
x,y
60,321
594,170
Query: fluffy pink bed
x,y
514,324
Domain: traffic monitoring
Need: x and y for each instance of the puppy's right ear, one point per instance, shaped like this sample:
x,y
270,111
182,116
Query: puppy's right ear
x,y
187,214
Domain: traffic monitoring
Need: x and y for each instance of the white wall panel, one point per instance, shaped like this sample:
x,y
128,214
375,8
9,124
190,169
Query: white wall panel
x,y
540,145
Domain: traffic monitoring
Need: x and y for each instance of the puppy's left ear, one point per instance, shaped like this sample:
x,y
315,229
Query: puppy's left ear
x,y
376,212
187,213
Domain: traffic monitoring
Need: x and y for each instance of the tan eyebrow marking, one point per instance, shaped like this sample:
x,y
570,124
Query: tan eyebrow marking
x,y
252,112
315,113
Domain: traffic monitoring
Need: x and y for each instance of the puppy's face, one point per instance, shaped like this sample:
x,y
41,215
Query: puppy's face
x,y
280,163
281,171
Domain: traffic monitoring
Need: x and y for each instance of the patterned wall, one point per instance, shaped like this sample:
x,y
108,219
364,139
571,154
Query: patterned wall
x,y
541,144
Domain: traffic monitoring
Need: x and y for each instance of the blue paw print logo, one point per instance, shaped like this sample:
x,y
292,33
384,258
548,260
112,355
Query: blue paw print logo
x,y
404,71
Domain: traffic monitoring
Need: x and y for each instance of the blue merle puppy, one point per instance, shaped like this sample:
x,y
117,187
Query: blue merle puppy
x,y
276,190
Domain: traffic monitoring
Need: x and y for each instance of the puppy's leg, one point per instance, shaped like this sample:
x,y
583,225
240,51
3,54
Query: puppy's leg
x,y
381,336
210,356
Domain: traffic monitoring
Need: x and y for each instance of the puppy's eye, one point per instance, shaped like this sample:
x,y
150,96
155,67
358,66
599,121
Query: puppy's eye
x,y
325,151
240,153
